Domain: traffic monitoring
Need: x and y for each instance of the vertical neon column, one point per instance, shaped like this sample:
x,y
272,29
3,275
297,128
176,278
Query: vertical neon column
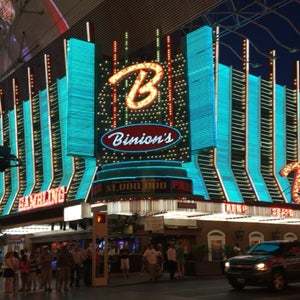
x,y
280,142
223,149
46,142
2,174
200,76
29,142
13,139
114,88
253,145
170,83
297,87
67,161
80,128
126,63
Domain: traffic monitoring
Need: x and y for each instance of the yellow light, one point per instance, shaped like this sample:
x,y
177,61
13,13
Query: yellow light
x,y
149,89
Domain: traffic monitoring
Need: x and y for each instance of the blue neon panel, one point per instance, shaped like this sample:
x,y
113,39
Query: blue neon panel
x,y
194,173
67,161
223,149
46,144
87,179
280,141
201,88
81,104
29,151
2,174
14,171
253,141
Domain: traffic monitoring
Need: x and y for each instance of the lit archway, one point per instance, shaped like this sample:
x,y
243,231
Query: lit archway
x,y
255,237
216,242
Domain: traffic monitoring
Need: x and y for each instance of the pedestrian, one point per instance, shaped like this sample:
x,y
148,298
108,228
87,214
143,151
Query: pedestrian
x,y
151,257
237,250
16,263
160,259
172,262
24,271
87,267
124,255
8,272
33,271
46,270
180,257
78,258
64,264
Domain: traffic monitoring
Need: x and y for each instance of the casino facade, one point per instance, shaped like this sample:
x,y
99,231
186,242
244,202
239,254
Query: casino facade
x,y
171,137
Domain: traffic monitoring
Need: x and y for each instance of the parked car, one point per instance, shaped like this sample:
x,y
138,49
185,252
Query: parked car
x,y
273,264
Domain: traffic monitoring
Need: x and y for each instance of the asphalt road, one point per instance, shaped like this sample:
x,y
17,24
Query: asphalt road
x,y
178,290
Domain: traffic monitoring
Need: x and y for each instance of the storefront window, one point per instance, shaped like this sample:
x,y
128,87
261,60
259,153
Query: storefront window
x,y
255,238
290,236
216,243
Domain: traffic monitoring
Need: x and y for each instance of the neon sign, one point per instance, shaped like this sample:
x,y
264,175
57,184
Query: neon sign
x,y
43,199
232,208
293,167
140,88
140,138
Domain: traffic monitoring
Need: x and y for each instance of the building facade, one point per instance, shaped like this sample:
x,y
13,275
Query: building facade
x,y
171,133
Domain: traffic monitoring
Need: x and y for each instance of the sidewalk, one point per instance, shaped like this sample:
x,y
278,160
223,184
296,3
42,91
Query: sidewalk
x,y
141,278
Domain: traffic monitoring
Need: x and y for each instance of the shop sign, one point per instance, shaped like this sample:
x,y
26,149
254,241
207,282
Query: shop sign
x,y
187,205
240,209
43,199
132,187
154,224
281,212
141,138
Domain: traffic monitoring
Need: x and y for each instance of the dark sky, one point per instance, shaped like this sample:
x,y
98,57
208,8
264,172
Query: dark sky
x,y
277,25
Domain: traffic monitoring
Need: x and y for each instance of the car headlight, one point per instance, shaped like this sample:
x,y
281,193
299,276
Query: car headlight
x,y
261,267
227,265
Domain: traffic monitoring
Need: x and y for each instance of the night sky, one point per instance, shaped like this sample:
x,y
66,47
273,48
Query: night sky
x,y
278,26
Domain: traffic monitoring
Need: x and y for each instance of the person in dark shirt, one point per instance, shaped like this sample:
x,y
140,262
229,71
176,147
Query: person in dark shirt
x,y
33,270
124,255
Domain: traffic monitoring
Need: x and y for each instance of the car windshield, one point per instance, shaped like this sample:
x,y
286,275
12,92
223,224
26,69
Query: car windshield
x,y
265,248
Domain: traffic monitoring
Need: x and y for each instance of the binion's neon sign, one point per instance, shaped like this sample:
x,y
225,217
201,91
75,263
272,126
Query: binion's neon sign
x,y
293,167
149,89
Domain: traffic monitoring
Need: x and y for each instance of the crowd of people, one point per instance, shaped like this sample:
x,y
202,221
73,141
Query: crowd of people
x,y
172,261
63,268
43,268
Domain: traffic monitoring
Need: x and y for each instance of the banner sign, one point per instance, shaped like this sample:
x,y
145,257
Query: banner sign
x,y
124,187
141,138
43,199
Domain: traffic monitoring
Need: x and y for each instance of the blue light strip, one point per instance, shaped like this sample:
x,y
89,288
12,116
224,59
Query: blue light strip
x,y
223,149
29,150
46,143
81,103
199,47
12,117
2,174
87,179
253,145
194,173
280,142
67,161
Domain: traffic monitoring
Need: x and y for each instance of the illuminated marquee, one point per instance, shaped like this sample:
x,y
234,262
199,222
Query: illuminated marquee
x,y
139,87
140,138
43,199
293,167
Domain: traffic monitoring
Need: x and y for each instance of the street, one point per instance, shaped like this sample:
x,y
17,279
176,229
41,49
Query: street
x,y
178,290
